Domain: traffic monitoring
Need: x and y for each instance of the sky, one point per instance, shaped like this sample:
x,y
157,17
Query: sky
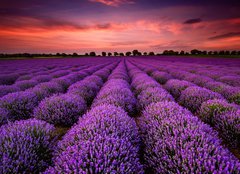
x,y
51,26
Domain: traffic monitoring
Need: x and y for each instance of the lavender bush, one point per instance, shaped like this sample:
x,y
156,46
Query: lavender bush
x,y
5,89
224,117
177,142
4,115
231,80
42,78
104,141
228,123
152,95
25,84
25,146
161,77
232,94
175,87
46,89
61,110
19,105
211,109
193,96
116,92
8,79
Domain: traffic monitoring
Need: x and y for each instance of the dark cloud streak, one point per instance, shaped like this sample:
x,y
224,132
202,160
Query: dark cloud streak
x,y
226,35
193,21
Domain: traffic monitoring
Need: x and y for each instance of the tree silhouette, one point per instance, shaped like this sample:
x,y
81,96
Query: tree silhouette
x,y
109,54
221,52
115,53
74,54
121,54
92,53
182,52
135,52
128,53
151,54
195,52
145,53
64,54
104,54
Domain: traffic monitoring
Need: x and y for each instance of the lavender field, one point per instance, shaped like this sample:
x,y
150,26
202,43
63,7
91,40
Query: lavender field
x,y
120,115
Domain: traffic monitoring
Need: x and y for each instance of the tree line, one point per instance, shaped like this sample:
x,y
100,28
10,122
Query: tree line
x,y
129,53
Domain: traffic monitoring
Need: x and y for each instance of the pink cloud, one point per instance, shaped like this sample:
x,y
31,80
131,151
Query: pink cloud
x,y
114,3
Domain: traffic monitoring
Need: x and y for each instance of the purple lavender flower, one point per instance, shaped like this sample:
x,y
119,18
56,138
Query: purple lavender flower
x,y
119,75
177,142
5,89
198,79
175,87
193,96
230,80
146,84
61,109
213,74
63,82
46,89
123,98
228,123
24,77
42,78
180,74
105,140
232,94
85,89
20,105
60,73
25,84
152,95
149,70
223,117
211,109
216,86
8,79
96,79
161,77
25,146
3,116
103,73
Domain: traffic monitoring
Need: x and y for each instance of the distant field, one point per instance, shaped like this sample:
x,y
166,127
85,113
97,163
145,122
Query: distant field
x,y
159,114
185,56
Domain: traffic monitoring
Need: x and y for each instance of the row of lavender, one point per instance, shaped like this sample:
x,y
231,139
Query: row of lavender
x,y
106,139
226,67
14,70
28,81
209,106
174,140
27,146
9,76
20,105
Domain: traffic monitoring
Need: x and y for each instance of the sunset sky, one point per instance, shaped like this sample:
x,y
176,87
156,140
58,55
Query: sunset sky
x,y
51,26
